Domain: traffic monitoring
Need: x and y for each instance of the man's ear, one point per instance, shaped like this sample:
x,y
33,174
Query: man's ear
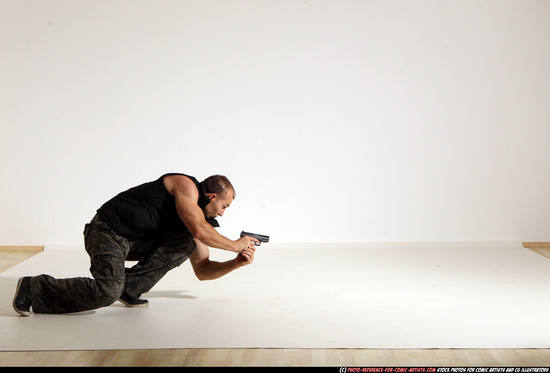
x,y
212,196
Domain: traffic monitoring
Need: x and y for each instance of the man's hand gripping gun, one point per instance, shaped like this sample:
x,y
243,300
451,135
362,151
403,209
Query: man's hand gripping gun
x,y
259,237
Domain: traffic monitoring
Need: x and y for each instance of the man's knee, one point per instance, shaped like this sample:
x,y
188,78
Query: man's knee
x,y
109,291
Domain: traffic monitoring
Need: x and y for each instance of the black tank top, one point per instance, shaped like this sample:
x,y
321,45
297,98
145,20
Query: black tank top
x,y
148,210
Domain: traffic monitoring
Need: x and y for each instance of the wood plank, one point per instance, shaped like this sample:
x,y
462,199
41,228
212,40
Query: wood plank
x,y
21,248
10,258
280,357
530,245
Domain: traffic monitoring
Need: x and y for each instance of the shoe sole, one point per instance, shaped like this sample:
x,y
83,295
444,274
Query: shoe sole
x,y
133,305
21,312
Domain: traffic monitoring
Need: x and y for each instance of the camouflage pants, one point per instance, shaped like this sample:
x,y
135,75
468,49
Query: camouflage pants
x,y
108,253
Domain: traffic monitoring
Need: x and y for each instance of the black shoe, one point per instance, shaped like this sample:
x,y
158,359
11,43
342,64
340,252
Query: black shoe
x,y
22,299
128,301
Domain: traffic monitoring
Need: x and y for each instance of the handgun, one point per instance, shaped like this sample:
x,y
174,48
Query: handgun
x,y
259,237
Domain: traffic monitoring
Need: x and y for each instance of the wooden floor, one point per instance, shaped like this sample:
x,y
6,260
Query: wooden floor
x,y
272,357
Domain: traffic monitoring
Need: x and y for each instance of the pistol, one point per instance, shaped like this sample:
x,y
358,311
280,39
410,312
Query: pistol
x,y
259,237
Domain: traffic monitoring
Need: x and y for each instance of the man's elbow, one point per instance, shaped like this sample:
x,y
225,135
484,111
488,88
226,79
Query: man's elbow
x,y
196,235
201,270
199,233
202,276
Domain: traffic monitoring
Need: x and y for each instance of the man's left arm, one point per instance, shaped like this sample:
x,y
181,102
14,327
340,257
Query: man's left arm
x,y
206,269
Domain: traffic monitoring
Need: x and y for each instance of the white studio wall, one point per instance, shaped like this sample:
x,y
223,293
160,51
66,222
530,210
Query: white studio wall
x,y
337,121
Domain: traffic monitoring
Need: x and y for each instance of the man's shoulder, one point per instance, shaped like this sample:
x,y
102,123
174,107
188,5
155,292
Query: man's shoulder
x,y
180,183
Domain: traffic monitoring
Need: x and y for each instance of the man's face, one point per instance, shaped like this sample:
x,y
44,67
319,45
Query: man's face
x,y
218,204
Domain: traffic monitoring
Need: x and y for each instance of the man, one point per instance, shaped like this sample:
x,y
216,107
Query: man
x,y
160,224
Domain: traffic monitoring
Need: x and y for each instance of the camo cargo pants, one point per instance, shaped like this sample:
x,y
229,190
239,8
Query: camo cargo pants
x,y
108,253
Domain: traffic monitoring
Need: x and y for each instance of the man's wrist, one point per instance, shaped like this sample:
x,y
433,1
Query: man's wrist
x,y
235,247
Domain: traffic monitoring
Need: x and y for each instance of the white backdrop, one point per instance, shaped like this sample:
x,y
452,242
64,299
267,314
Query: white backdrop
x,y
337,121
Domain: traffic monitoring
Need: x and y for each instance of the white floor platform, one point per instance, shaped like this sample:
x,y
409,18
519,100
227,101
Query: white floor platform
x,y
493,295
